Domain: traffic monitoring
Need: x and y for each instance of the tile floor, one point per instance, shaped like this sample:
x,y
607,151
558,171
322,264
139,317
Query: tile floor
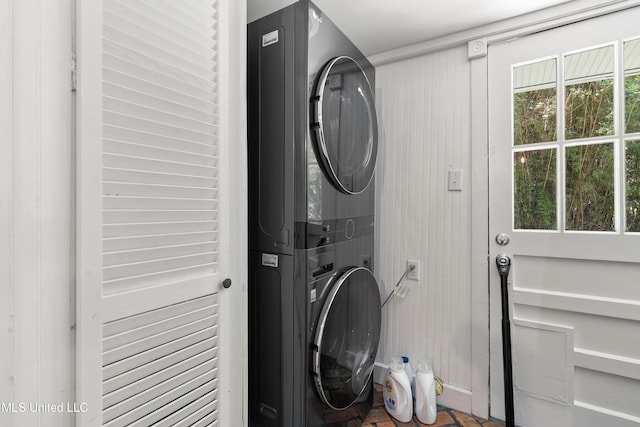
x,y
378,417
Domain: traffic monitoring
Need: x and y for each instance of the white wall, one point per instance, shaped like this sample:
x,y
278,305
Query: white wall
x,y
425,114
36,210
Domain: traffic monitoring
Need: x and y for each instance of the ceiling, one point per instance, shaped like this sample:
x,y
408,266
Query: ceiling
x,y
380,25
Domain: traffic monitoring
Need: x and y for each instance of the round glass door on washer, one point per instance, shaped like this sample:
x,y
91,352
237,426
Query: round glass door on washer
x,y
345,125
347,337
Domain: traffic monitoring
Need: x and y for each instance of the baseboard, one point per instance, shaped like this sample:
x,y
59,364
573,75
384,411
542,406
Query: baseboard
x,y
452,397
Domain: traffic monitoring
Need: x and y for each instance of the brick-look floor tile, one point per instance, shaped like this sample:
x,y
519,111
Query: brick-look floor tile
x,y
386,424
492,424
442,419
377,415
341,416
355,423
363,410
465,420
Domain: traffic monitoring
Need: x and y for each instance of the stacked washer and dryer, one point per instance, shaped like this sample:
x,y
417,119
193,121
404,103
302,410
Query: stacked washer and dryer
x,y
314,304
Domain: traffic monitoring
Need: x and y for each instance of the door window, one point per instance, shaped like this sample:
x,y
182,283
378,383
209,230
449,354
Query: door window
x,y
573,140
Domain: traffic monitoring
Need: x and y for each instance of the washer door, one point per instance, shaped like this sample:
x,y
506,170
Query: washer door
x,y
346,125
347,337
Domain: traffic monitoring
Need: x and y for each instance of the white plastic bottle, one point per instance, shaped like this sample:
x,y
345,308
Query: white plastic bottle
x,y
408,370
426,409
412,378
397,392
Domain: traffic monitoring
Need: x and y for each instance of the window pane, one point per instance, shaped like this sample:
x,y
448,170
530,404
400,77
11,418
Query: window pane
x,y
632,190
632,86
589,94
535,190
590,195
534,102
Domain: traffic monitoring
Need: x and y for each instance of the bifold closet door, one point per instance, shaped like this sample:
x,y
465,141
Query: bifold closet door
x,y
159,140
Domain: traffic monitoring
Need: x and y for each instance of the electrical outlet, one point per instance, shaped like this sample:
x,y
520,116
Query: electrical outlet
x,y
455,180
415,273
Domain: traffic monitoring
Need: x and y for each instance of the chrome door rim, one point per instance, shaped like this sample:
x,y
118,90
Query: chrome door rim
x,y
322,144
320,332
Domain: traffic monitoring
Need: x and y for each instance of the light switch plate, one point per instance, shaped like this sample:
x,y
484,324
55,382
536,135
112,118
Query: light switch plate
x,y
455,180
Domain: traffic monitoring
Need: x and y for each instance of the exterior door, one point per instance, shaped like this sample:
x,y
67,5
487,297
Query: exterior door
x,y
564,132
161,242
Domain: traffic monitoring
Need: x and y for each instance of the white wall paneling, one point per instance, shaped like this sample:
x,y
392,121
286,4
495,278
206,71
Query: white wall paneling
x,y
424,108
35,211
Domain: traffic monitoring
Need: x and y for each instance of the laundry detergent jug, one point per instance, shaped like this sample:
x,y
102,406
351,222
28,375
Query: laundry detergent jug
x,y
426,409
397,392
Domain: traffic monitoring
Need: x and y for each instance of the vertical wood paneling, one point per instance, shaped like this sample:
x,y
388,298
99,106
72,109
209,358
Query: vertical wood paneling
x,y
424,107
6,208
40,174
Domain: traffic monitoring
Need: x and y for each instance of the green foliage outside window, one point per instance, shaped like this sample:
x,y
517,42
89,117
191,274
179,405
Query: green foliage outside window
x,y
632,171
535,116
589,109
535,190
590,189
632,103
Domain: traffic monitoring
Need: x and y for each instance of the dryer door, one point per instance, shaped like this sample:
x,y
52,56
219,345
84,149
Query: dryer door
x,y
347,337
346,125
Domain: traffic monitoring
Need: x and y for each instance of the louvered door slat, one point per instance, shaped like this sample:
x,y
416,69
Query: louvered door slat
x,y
146,177
154,48
177,29
127,377
171,84
203,417
134,334
168,203
118,258
151,228
166,390
161,314
173,154
122,135
169,167
135,96
206,359
155,241
127,189
175,117
123,216
156,126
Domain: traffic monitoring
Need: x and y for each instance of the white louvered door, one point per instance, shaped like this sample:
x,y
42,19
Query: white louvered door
x,y
160,140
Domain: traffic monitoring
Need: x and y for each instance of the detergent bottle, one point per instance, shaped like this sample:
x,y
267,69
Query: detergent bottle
x,y
426,409
397,392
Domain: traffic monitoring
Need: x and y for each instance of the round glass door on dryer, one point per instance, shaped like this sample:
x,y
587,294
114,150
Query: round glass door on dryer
x,y
346,338
346,126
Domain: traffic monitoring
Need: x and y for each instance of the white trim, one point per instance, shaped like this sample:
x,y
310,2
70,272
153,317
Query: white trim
x,y
89,212
7,358
233,410
594,414
563,14
480,261
580,303
605,362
